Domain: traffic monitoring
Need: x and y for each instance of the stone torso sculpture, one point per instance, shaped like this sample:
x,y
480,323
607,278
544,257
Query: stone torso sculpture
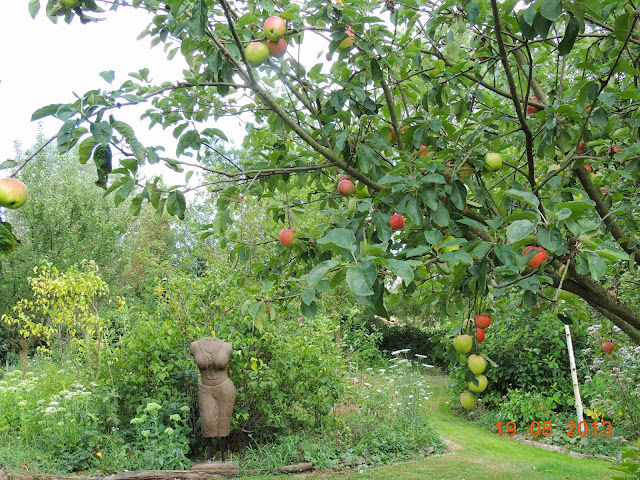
x,y
216,392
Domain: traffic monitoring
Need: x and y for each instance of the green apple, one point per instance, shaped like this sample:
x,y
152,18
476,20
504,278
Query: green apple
x,y
493,161
477,364
256,53
463,343
13,193
482,384
467,400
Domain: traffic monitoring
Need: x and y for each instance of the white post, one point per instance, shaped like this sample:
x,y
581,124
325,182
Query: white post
x,y
574,375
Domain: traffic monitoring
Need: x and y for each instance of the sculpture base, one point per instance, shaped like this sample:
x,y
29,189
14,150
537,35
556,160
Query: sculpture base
x,y
220,468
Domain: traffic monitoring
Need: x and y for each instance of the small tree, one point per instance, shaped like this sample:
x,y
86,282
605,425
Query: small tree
x,y
64,308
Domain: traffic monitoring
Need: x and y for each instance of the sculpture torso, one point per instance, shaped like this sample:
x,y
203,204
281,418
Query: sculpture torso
x,y
216,393
212,358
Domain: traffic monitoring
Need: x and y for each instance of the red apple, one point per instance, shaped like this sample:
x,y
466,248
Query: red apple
x,y
274,28
423,151
286,237
396,222
588,168
538,258
277,49
480,334
608,347
346,187
531,109
483,321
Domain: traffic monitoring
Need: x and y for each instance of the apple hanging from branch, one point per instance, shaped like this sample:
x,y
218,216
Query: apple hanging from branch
x,y
396,222
463,343
538,258
346,187
13,193
256,53
274,28
286,237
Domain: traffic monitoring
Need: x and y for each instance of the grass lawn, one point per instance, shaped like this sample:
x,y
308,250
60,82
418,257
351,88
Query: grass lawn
x,y
477,454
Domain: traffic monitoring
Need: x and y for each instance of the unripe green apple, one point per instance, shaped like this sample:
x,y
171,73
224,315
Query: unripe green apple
x,y
493,161
256,53
13,193
477,364
597,179
463,343
467,400
482,384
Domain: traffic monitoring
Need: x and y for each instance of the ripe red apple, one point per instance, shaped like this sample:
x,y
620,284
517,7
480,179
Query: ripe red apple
x,y
348,41
538,258
483,321
480,334
13,193
423,151
588,168
277,49
274,28
286,237
346,187
531,109
256,53
396,222
608,347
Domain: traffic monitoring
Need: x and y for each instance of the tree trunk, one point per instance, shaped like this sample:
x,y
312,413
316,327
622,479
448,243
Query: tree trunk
x,y
574,375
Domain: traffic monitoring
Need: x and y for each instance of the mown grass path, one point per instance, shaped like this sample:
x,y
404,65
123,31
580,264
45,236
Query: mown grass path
x,y
476,454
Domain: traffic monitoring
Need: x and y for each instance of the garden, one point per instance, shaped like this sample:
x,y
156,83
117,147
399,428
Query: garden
x,y
413,224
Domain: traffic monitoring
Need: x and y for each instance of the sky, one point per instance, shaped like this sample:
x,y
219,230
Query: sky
x,y
43,63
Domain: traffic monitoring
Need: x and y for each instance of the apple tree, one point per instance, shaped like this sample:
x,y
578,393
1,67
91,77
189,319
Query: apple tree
x,y
406,100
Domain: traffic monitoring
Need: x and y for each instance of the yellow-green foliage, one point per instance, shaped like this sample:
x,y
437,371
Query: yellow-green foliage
x,y
63,303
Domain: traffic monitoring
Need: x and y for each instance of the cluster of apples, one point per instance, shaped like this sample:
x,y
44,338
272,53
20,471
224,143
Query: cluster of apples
x,y
276,46
13,193
476,363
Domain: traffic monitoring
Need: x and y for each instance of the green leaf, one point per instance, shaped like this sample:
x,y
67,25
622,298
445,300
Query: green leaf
x,y
309,311
108,75
441,215
176,204
34,8
526,197
550,239
319,271
402,270
570,35
340,237
190,139
367,157
472,13
357,281
215,132
124,191
597,266
308,296
551,9
519,230
65,136
246,19
199,19
622,26
7,239
413,211
541,25
101,131
85,148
